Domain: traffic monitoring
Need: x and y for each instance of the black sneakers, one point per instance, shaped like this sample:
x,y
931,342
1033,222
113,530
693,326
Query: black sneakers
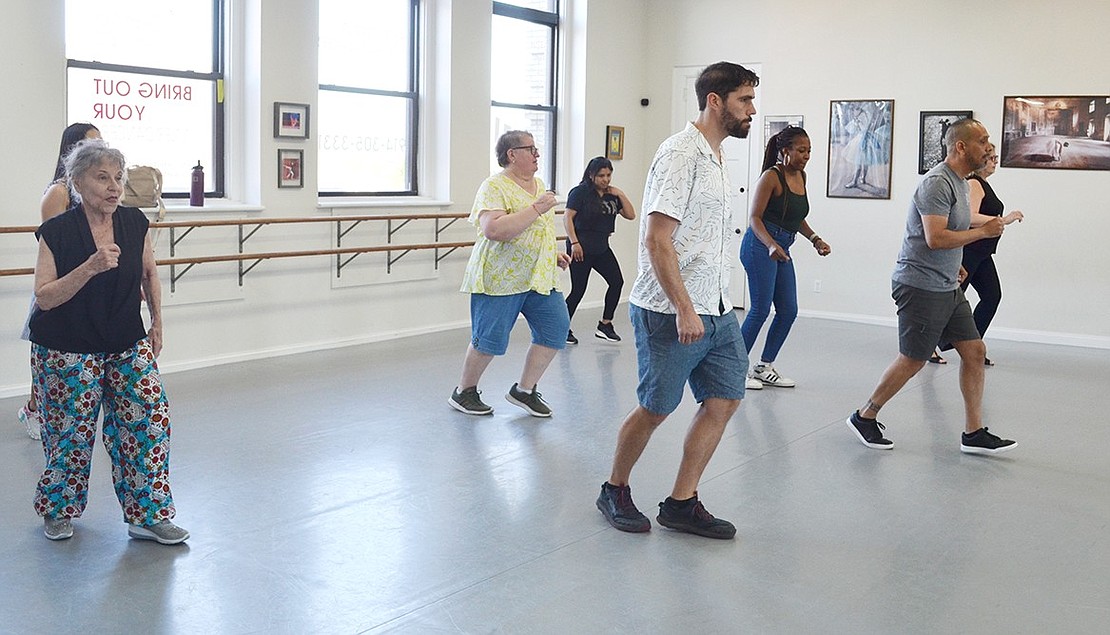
x,y
869,432
469,401
571,339
983,442
531,401
691,516
615,504
606,332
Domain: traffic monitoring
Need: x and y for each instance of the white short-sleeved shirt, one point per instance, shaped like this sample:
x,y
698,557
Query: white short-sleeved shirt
x,y
688,183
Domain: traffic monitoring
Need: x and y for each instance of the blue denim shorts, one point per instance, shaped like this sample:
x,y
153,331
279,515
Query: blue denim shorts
x,y
492,318
715,366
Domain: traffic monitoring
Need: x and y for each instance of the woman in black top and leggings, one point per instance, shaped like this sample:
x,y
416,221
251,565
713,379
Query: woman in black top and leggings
x,y
592,209
978,262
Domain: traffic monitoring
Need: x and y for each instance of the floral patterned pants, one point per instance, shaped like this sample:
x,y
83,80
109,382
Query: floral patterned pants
x,y
71,388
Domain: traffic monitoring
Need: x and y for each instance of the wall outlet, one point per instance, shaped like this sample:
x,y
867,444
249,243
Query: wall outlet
x,y
817,286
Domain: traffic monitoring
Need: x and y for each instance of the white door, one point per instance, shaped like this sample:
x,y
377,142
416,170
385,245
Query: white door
x,y
738,153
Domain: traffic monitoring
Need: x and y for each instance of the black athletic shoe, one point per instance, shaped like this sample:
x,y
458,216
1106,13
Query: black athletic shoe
x,y
571,339
983,442
615,504
869,432
469,401
691,516
606,332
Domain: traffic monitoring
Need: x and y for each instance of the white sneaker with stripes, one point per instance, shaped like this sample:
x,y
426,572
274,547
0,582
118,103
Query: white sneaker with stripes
x,y
767,374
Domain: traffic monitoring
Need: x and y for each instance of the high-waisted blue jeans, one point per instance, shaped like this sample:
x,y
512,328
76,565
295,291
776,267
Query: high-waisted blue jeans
x,y
769,283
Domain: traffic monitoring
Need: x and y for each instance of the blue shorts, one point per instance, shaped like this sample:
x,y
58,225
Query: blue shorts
x,y
492,318
716,365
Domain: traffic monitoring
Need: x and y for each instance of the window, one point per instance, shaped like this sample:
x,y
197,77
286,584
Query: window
x,y
367,109
524,50
159,104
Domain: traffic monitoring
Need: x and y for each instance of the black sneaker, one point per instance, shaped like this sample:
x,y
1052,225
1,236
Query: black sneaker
x,y
869,432
469,401
606,332
983,442
615,504
691,516
571,339
531,401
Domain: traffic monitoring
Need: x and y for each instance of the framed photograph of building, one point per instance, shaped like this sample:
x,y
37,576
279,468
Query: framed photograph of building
x,y
934,124
860,135
772,124
1060,133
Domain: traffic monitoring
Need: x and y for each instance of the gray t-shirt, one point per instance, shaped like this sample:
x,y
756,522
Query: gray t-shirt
x,y
942,192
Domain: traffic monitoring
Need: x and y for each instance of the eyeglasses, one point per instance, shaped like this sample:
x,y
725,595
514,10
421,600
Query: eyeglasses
x,y
533,149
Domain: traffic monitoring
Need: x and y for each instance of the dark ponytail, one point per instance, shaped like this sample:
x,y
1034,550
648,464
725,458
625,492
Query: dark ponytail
x,y
780,141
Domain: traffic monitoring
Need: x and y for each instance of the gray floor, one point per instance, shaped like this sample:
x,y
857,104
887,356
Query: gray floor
x,y
336,492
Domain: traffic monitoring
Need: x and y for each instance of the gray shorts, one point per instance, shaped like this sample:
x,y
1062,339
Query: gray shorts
x,y
926,318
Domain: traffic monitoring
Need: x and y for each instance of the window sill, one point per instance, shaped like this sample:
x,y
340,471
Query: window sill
x,y
212,205
340,202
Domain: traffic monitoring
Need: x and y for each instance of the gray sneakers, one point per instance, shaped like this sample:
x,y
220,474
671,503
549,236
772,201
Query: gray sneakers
x,y
531,401
469,401
164,533
57,528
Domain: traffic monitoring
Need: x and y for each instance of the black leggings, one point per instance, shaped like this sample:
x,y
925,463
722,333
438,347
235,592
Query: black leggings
x,y
604,263
983,277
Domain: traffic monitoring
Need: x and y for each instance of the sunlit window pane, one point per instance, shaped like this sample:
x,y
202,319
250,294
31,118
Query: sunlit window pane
x,y
363,143
541,5
521,62
365,44
169,35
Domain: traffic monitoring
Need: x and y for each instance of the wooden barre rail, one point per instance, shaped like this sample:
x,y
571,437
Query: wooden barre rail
x,y
30,229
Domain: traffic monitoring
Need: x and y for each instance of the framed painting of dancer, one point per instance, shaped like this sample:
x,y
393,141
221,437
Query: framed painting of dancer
x,y
860,135
934,124
1059,133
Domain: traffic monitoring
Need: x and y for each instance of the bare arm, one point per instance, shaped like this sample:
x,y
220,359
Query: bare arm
x,y
52,291
938,236
627,210
497,224
659,240
767,186
54,201
152,290
576,252
822,247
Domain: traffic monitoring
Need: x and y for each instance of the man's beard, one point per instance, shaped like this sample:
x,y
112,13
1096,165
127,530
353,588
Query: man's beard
x,y
736,127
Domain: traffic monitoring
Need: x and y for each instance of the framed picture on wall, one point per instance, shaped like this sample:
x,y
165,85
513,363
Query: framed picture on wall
x,y
931,149
614,142
860,135
1059,133
290,168
290,121
772,124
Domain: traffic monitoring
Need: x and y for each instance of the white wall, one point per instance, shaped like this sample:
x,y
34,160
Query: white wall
x,y
811,52
937,55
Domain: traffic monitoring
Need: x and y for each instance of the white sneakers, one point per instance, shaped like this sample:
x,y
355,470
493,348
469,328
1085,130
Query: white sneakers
x,y
751,383
30,419
766,375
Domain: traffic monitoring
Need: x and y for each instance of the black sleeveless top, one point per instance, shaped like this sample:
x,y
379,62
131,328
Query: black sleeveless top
x,y
788,210
990,206
104,316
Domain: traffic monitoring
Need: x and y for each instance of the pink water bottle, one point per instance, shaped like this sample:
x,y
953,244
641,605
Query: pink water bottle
x,y
196,194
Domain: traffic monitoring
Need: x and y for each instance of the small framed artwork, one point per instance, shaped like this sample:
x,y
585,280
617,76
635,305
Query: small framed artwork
x,y
1058,133
773,124
290,120
860,136
614,142
290,168
934,125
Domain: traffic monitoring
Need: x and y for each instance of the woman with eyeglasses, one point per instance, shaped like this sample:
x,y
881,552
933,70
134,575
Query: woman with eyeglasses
x,y
978,261
513,270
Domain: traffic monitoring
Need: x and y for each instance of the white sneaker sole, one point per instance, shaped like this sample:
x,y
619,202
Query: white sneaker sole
x,y
601,336
753,384
477,413
524,406
142,533
873,446
971,449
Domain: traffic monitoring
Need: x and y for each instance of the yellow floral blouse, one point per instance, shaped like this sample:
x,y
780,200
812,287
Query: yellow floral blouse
x,y
525,263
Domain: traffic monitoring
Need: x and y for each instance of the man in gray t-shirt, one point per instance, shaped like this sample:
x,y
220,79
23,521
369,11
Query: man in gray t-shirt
x,y
926,288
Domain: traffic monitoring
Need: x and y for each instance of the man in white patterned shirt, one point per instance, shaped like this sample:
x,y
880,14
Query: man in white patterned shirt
x,y
680,309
